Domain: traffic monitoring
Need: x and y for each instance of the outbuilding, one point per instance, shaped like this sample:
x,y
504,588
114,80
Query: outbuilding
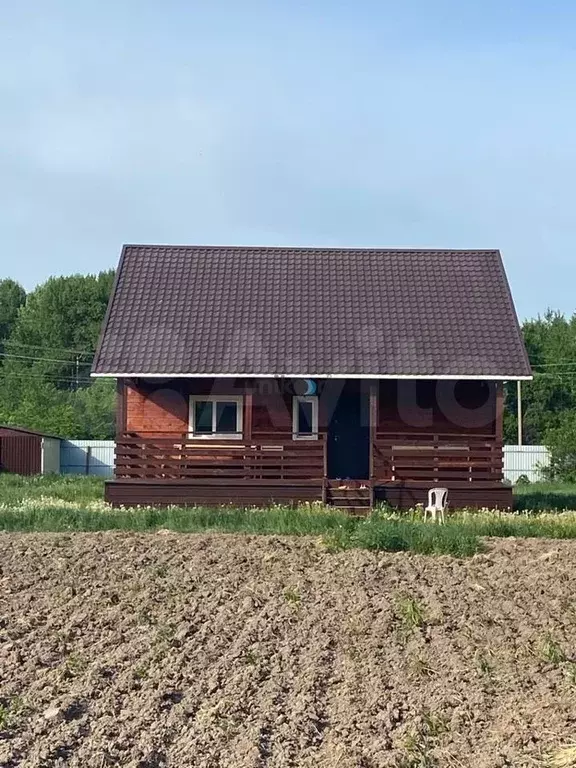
x,y
28,452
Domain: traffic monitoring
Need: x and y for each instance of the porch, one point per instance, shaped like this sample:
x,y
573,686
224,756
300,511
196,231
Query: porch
x,y
155,469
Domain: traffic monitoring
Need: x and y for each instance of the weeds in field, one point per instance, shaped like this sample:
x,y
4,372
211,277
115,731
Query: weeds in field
x,y
420,742
141,672
165,633
418,753
482,663
74,666
292,595
69,503
420,667
563,758
10,710
434,725
551,651
571,672
250,657
146,616
411,613
335,541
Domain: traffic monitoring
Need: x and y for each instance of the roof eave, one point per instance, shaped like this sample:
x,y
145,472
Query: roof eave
x,y
427,376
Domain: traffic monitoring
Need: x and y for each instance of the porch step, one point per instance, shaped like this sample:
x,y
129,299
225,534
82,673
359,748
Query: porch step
x,y
353,496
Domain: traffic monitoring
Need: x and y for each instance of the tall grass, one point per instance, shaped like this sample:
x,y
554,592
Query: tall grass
x,y
77,488
545,496
276,520
400,534
337,529
546,526
68,503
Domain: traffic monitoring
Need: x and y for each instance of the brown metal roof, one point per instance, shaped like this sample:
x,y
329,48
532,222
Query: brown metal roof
x,y
6,429
310,311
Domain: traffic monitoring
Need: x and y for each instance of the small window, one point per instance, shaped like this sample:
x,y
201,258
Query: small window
x,y
216,417
305,418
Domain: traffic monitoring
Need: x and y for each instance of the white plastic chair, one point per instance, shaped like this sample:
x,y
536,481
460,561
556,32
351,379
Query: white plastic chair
x,y
437,503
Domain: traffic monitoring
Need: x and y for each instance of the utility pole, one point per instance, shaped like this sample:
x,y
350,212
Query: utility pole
x,y
77,370
519,398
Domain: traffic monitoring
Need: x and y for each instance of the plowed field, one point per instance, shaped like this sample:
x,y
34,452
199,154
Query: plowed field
x,y
223,651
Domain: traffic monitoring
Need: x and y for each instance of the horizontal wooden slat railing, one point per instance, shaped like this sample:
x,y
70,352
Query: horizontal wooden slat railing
x,y
436,458
181,458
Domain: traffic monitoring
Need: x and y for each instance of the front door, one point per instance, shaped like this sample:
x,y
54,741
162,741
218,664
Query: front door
x,y
349,436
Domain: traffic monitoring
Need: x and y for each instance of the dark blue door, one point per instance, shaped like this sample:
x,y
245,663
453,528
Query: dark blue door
x,y
349,436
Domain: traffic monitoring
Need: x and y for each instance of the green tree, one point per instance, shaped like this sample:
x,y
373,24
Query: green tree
x,y
12,297
561,442
95,408
551,345
44,383
37,404
56,331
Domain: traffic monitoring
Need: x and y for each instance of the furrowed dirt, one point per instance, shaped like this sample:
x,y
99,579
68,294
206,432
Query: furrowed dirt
x,y
232,651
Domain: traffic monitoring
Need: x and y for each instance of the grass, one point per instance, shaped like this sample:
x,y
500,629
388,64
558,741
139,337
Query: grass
x,y
76,488
421,740
551,651
543,526
9,712
563,758
542,497
411,613
72,503
341,530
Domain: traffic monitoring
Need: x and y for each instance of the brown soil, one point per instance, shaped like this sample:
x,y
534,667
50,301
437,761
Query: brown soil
x,y
230,651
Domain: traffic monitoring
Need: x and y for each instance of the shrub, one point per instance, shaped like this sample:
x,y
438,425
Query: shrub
x,y
561,442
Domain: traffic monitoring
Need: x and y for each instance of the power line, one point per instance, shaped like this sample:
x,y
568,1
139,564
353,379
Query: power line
x,y
45,347
50,378
558,375
43,359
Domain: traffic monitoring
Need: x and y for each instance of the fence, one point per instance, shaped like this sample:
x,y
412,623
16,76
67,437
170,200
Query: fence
x,y
96,457
87,457
526,460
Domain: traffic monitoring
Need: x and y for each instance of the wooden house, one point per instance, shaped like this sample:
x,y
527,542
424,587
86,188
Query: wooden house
x,y
260,375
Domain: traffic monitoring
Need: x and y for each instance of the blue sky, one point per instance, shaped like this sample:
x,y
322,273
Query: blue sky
x,y
445,124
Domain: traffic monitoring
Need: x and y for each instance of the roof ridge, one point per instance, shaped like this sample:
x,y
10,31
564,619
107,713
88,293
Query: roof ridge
x,y
311,248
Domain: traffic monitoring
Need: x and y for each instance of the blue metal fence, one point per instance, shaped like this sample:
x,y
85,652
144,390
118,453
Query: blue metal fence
x,y
87,457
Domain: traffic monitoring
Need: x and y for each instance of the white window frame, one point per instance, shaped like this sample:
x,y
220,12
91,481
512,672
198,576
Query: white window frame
x,y
238,399
295,402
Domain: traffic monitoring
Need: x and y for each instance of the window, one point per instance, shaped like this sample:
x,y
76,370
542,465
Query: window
x,y
216,417
305,418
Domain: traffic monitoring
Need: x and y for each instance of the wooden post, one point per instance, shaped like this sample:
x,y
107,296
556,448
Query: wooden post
x,y
120,407
520,430
248,406
88,455
499,426
497,457
373,423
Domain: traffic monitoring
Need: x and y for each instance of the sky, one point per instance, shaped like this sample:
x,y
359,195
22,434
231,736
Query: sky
x,y
328,122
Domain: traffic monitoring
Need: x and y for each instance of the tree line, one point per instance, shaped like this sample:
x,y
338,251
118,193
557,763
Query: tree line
x,y
549,401
48,338
47,342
